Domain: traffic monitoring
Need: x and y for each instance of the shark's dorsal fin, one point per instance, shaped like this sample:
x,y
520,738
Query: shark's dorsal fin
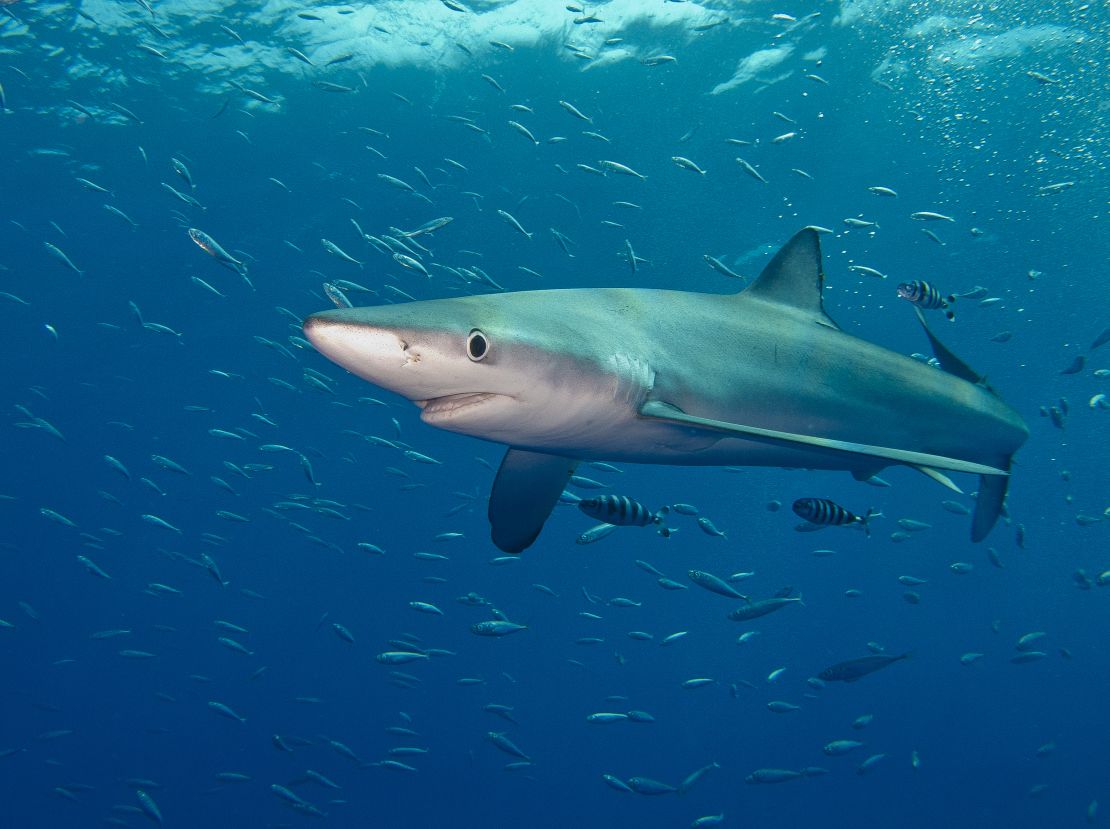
x,y
949,361
526,489
794,277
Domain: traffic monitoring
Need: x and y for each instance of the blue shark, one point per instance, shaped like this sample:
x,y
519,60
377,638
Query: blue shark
x,y
763,377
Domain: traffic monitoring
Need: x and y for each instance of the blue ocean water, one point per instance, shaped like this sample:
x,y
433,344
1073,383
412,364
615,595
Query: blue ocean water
x,y
995,116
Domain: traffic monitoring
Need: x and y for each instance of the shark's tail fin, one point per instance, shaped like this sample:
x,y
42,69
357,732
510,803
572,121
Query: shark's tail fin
x,y
992,488
988,503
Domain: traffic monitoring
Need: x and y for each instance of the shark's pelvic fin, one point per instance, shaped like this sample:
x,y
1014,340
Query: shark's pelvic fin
x,y
988,505
862,474
949,361
794,277
526,489
665,411
940,478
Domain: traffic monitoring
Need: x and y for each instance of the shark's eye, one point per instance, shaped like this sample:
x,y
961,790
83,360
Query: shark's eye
x,y
477,345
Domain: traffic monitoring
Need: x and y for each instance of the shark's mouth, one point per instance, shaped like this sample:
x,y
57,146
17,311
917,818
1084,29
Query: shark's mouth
x,y
439,408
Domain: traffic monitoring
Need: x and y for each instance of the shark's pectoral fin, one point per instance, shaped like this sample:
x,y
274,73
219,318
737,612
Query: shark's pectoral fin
x,y
659,410
526,489
988,505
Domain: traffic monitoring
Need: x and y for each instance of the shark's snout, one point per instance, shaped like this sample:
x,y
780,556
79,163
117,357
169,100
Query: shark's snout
x,y
314,327
319,326
371,352
323,326
328,334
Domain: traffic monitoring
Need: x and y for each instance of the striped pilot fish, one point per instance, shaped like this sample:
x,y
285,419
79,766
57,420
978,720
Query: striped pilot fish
x,y
826,513
924,295
619,510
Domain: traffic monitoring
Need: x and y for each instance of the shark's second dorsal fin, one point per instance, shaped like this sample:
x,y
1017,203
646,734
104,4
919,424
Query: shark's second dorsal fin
x,y
949,361
794,277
